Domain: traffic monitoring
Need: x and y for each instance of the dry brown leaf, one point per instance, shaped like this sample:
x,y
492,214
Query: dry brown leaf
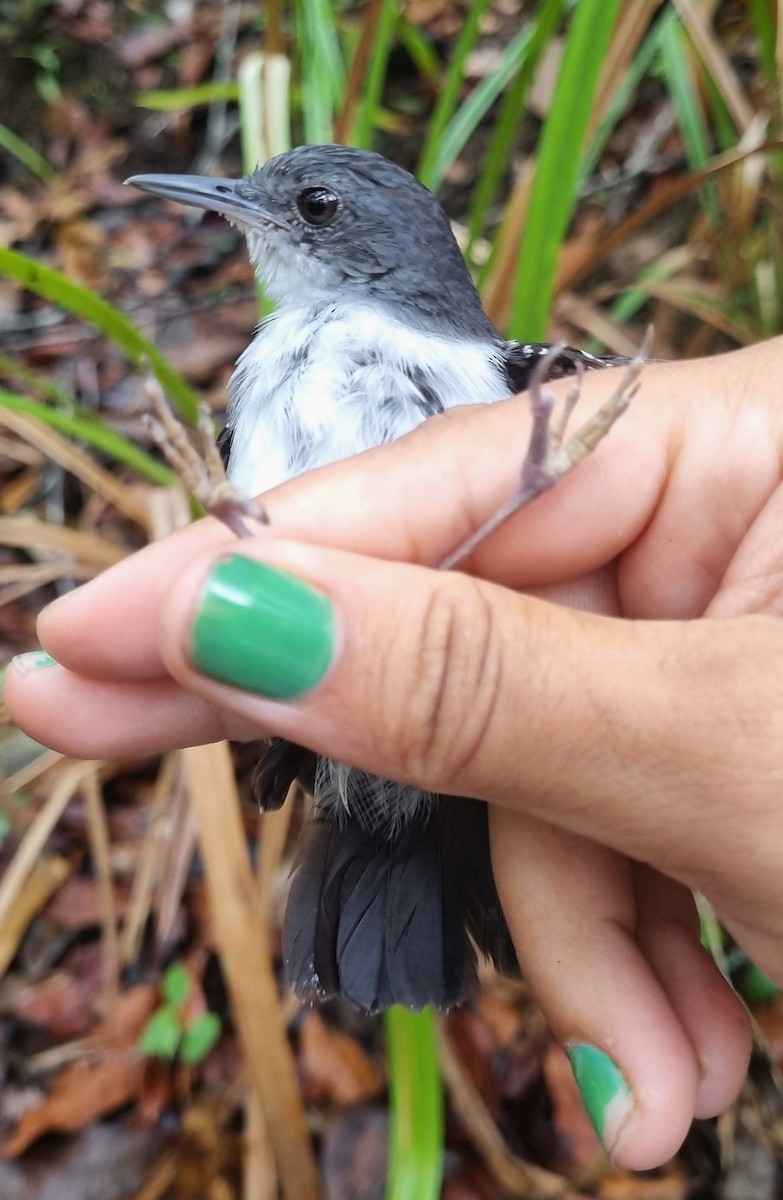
x,y
83,252
243,937
121,1029
81,1093
31,534
335,1065
519,1178
58,1003
81,464
34,840
665,197
631,25
715,59
17,580
672,1186
77,904
44,878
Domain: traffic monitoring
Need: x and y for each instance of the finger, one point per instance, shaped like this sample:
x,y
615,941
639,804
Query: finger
x,y
583,936
460,686
571,912
88,718
147,716
413,500
710,1012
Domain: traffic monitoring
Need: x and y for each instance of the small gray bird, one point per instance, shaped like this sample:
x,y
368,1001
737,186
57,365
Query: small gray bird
x,y
378,326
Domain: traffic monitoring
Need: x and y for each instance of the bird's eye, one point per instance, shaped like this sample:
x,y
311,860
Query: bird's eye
x,y
317,205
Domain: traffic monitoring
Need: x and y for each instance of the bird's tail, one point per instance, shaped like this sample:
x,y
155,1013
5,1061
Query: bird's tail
x,y
392,920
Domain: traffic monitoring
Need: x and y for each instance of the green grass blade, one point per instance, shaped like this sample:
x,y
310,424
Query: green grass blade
x,y
40,384
477,105
215,91
26,155
421,50
554,187
376,75
641,64
321,68
449,94
761,14
500,149
90,430
677,69
45,281
416,1102
627,305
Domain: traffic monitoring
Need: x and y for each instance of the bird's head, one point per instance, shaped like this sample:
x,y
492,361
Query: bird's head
x,y
329,224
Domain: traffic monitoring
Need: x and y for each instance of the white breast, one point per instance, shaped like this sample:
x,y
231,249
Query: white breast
x,y
313,388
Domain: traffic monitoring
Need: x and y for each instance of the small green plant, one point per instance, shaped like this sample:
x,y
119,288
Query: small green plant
x,y
169,1033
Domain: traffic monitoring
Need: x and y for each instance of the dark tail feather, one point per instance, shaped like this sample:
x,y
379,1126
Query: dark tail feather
x,y
376,920
464,833
282,763
386,921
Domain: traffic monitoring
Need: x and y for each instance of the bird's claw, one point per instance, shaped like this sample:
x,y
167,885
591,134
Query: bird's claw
x,y
549,456
199,468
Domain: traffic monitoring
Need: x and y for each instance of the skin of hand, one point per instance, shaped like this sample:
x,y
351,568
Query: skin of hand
x,y
629,750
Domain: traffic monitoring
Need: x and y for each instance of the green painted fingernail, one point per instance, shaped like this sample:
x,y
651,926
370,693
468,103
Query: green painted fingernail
x,y
606,1095
262,630
33,661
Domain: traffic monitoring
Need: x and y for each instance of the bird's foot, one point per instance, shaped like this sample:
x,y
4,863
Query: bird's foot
x,y
199,467
549,456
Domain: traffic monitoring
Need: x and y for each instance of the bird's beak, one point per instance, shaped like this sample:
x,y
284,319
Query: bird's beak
x,y
217,195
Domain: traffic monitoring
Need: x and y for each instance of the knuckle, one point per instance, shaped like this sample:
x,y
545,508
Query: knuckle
x,y
456,684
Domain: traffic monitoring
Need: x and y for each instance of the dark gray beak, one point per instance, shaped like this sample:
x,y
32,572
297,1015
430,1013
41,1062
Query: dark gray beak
x,y
217,195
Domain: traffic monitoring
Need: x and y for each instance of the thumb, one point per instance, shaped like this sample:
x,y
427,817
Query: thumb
x,y
459,686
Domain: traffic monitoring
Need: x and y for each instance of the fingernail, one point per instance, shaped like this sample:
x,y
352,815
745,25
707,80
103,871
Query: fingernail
x,y
33,661
262,630
606,1095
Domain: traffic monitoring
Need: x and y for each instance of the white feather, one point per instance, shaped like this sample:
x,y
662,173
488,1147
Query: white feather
x,y
319,384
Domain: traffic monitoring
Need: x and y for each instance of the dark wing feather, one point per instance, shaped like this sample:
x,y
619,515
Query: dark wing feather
x,y
225,439
520,359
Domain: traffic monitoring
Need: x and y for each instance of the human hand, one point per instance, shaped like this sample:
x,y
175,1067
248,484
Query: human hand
x,y
601,743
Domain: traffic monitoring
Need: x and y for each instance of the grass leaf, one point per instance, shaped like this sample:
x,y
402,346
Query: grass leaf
x,y
26,155
416,1101
500,149
449,94
52,285
554,188
85,427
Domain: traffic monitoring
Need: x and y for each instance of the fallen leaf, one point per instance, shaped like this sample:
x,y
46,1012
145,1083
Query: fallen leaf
x,y
354,1155
58,1003
334,1064
672,1186
106,1162
81,1092
77,904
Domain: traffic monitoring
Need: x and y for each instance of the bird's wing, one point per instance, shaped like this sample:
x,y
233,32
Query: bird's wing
x,y
520,359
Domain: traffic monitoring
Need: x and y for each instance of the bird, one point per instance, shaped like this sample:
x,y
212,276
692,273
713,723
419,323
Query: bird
x,y
377,327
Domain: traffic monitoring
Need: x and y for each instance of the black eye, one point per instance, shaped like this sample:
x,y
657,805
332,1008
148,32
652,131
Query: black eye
x,y
317,205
